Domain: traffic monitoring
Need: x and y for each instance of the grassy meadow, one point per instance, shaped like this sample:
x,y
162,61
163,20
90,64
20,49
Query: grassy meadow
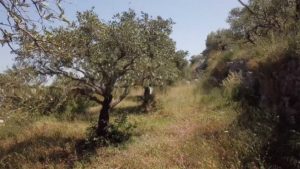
x,y
187,130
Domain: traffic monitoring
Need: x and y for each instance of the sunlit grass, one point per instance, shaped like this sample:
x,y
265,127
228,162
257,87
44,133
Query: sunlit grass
x,y
184,132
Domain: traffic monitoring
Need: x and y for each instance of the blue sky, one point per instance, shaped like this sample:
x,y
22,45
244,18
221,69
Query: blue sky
x,y
194,19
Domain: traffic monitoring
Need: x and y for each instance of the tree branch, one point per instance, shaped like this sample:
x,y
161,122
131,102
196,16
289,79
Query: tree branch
x,y
87,92
247,7
120,98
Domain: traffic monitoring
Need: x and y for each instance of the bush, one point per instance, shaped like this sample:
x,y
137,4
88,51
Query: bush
x,y
232,86
118,132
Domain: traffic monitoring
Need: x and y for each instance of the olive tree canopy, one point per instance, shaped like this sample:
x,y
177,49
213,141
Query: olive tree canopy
x,y
104,59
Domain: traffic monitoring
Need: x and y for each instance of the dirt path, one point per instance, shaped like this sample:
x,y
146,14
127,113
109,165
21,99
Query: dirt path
x,y
169,138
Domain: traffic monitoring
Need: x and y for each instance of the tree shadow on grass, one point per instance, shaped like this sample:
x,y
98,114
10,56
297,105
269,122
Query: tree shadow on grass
x,y
58,151
135,110
39,151
128,110
135,98
118,133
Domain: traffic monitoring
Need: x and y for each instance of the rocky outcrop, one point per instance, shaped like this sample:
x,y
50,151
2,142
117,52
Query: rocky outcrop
x,y
280,89
274,88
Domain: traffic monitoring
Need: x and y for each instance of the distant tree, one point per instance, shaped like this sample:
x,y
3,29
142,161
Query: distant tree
x,y
23,91
195,58
13,89
219,40
101,59
181,62
162,64
25,19
161,70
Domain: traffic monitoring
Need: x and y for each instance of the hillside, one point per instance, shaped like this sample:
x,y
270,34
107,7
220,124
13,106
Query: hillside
x,y
119,93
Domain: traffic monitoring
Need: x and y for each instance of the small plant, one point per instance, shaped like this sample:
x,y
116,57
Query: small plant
x,y
232,86
118,132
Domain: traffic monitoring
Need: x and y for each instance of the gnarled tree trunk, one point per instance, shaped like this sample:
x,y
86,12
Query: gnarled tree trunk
x,y
148,99
103,121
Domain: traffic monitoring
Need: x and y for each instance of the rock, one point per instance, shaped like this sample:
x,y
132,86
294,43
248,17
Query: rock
x,y
237,66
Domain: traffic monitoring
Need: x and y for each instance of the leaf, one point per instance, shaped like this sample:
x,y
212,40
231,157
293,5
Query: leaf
x,y
65,20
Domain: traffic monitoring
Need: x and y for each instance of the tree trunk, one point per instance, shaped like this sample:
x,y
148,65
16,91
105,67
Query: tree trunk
x,y
148,99
298,9
103,121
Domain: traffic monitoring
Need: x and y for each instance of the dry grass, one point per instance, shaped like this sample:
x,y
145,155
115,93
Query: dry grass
x,y
182,134
43,144
185,132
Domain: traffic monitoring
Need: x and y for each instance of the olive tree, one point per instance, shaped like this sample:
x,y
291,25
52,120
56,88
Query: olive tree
x,y
101,59
161,73
162,63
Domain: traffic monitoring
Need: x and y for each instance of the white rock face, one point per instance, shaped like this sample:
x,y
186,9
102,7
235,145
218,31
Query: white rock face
x,y
1,121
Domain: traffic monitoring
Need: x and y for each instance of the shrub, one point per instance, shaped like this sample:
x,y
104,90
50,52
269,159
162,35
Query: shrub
x,y
232,86
118,132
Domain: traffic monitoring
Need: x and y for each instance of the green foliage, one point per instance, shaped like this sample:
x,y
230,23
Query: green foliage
x,y
195,58
219,40
102,60
261,18
18,86
118,132
163,63
258,71
23,92
100,57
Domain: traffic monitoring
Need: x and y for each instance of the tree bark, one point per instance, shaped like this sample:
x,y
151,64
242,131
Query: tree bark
x,y
148,99
103,121
298,9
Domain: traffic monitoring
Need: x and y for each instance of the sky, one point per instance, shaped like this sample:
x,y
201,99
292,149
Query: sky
x,y
194,19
